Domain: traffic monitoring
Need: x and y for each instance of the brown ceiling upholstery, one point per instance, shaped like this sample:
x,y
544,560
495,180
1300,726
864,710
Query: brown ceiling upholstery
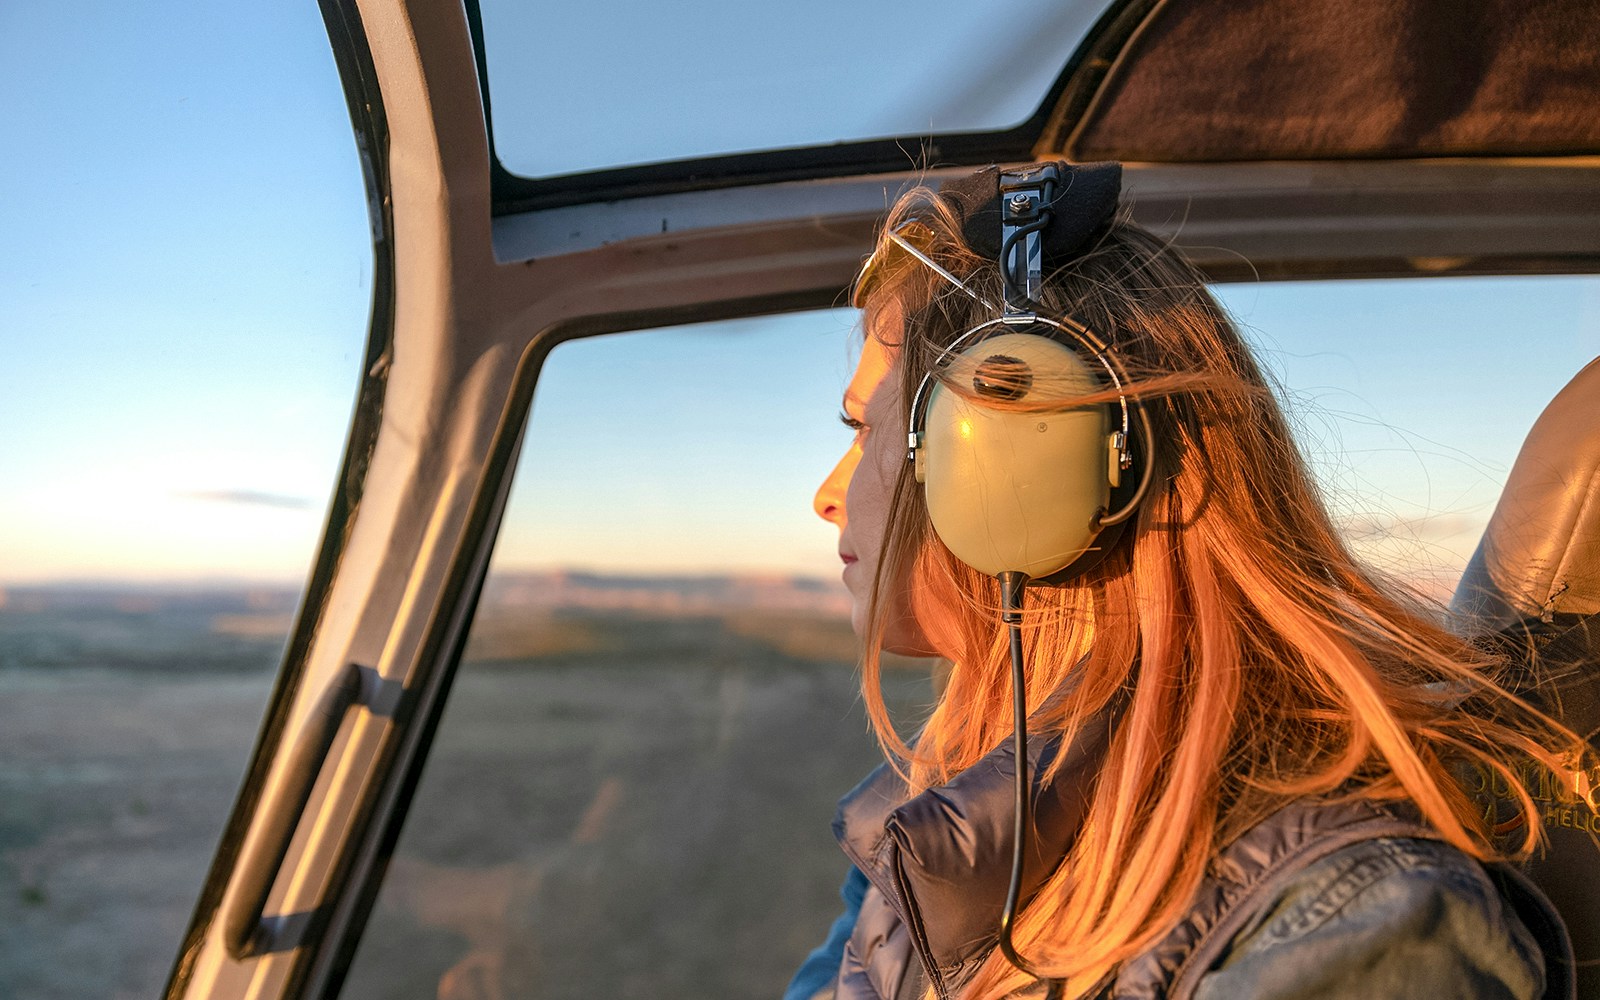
x,y
1299,79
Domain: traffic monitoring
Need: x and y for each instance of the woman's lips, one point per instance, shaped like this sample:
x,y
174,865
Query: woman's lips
x,y
846,558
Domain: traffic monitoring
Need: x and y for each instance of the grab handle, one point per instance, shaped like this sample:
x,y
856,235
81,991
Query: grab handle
x,y
243,931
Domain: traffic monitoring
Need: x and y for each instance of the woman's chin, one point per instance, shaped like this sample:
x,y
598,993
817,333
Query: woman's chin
x,y
905,638
902,635
896,639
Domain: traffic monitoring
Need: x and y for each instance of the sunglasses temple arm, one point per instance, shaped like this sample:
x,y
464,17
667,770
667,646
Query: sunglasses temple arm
x,y
905,245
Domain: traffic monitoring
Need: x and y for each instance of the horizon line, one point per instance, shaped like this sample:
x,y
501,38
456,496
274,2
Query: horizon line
x,y
245,582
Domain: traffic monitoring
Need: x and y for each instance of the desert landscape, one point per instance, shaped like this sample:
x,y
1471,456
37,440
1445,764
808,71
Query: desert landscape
x,y
629,796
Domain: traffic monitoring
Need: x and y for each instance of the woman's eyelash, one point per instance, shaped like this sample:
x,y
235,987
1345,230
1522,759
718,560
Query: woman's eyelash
x,y
851,422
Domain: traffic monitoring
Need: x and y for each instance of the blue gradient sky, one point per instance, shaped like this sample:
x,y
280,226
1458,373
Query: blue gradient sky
x,y
184,282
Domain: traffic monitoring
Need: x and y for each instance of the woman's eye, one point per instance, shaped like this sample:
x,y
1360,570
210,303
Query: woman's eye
x,y
851,422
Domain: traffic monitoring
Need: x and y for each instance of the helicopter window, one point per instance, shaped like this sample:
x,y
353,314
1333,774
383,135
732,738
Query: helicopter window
x,y
729,77
630,791
1411,398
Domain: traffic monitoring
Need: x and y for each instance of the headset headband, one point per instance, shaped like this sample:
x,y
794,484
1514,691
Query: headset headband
x,y
1082,199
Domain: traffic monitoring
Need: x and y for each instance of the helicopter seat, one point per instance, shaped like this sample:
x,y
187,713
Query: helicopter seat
x,y
1533,587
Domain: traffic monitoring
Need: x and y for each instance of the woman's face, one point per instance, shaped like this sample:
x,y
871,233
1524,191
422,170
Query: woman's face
x,y
857,495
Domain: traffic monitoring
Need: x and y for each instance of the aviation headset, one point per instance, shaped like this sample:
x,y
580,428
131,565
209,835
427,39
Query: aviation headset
x,y
1013,487
1015,491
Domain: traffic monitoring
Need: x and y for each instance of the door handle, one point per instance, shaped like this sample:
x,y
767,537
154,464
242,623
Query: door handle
x,y
244,933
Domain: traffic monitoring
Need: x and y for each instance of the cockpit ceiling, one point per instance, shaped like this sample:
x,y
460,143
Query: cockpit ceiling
x,y
1208,80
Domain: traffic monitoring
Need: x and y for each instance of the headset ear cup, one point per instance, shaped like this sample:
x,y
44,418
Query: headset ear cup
x,y
1123,490
1105,542
1010,488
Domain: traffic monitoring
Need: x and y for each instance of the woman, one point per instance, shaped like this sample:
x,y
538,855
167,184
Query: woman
x,y
1250,756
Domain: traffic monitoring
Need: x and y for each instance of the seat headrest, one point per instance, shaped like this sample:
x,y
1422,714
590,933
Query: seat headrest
x,y
1540,554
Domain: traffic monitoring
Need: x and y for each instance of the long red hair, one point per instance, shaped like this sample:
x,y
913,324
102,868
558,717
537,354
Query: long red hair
x,y
1254,660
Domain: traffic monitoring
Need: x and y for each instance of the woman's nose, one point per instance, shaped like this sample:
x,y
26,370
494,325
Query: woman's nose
x,y
829,501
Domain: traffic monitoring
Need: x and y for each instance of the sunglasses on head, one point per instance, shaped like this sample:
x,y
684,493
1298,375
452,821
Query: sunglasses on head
x,y
902,248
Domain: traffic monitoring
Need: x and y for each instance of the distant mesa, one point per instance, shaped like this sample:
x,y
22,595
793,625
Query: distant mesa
x,y
137,598
665,594
253,626
249,608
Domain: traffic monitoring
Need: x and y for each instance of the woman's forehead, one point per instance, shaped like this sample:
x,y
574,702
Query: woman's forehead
x,y
879,352
877,358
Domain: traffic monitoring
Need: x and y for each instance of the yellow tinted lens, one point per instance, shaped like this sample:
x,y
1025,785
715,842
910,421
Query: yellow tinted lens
x,y
889,259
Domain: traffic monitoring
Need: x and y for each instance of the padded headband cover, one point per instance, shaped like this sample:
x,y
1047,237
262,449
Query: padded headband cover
x,y
1086,199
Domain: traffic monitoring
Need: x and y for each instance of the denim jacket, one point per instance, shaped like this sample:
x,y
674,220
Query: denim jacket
x,y
1319,900
1393,918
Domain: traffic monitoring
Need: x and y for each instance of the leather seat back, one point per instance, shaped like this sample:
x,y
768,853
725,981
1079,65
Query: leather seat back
x,y
1535,581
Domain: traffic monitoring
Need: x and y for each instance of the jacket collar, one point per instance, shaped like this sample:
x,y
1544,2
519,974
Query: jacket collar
x,y
943,858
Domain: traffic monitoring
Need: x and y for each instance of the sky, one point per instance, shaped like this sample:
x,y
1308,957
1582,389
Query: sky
x,y
185,276
184,282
